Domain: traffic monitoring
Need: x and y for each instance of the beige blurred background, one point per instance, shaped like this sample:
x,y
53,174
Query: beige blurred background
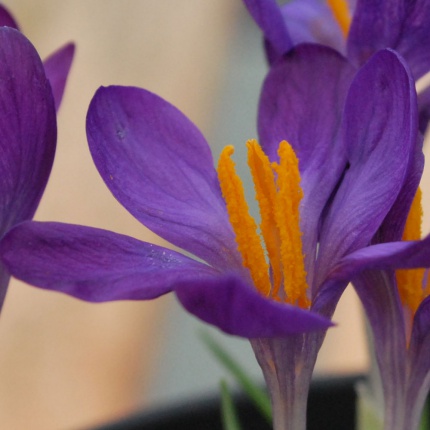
x,y
65,364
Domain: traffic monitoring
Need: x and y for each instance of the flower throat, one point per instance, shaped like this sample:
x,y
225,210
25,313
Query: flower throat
x,y
278,193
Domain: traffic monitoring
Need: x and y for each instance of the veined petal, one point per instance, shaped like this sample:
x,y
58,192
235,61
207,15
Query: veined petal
x,y
302,102
160,168
384,256
27,128
401,25
312,21
6,19
268,16
394,223
380,133
57,67
378,293
236,308
94,265
372,270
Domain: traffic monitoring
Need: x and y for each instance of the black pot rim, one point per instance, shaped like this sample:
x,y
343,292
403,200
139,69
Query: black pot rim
x,y
331,400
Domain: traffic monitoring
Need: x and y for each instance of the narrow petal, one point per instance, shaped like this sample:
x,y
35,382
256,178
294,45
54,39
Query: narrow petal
x,y
401,25
378,293
236,308
57,67
380,133
27,128
94,265
394,223
160,168
384,256
6,19
268,16
302,102
312,21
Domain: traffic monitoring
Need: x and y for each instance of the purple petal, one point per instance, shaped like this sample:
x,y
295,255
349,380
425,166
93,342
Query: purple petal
x,y
313,21
6,19
57,67
233,306
394,223
302,102
380,132
159,166
94,265
384,256
378,293
268,16
27,128
401,25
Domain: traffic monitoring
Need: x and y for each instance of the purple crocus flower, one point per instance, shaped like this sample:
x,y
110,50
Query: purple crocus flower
x,y
397,308
397,305
159,167
357,29
30,92
28,132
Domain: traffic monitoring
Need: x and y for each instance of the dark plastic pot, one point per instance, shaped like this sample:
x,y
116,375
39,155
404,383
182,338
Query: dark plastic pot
x,y
331,407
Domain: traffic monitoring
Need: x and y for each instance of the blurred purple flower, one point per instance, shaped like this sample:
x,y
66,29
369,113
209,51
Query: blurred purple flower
x,y
357,29
28,132
29,94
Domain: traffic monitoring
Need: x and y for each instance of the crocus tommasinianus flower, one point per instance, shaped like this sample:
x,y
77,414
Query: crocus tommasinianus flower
x,y
397,307
159,166
28,131
357,29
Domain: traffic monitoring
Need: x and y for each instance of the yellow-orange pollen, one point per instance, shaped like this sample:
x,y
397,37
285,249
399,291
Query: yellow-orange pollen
x,y
412,283
281,275
341,13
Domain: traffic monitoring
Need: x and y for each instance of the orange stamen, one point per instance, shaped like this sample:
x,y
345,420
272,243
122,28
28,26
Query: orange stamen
x,y
278,193
410,281
244,226
341,13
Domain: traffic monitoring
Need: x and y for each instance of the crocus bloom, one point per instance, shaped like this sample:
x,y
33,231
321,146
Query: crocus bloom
x,y
357,29
318,190
28,131
397,306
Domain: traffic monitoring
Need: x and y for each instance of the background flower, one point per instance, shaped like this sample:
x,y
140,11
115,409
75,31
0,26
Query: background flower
x,y
356,29
28,132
